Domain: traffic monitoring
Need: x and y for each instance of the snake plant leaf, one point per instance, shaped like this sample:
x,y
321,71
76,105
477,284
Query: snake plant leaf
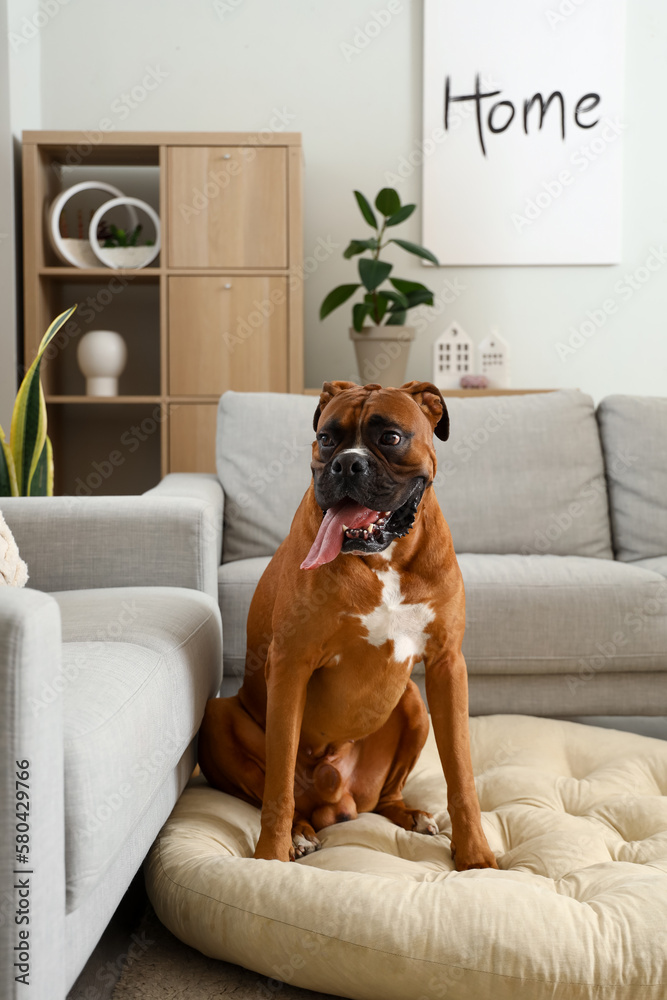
x,y
8,487
49,467
359,313
28,430
358,246
388,201
401,215
366,209
416,250
336,298
373,272
39,481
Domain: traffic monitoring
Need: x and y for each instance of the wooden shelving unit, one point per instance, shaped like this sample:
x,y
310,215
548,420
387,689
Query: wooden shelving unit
x,y
194,321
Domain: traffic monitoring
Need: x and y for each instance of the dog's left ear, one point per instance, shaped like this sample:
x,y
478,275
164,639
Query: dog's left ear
x,y
429,399
329,390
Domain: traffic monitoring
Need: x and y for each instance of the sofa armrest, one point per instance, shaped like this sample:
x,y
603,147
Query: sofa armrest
x,y
77,543
201,485
31,730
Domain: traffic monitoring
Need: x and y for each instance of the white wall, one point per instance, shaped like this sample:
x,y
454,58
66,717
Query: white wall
x,y
232,64
7,277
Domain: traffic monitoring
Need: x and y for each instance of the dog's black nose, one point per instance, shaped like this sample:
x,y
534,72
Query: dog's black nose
x,y
350,463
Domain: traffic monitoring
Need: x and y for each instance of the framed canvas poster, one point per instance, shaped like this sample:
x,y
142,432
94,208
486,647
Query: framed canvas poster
x,y
523,131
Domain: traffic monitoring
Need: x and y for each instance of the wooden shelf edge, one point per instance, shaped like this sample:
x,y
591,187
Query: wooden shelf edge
x,y
105,400
85,273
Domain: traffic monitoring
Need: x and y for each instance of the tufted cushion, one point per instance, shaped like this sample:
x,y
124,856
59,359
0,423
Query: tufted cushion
x,y
577,817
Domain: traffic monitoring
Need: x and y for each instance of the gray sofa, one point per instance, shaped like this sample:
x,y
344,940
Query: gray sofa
x,y
559,518
106,663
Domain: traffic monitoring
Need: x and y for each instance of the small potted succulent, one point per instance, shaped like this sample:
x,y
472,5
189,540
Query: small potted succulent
x,y
381,338
121,248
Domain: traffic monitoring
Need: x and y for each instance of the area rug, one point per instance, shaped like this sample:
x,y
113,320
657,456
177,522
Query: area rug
x,y
162,968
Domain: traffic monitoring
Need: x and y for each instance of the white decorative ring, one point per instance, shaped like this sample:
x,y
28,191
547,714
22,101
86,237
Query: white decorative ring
x,y
106,254
63,246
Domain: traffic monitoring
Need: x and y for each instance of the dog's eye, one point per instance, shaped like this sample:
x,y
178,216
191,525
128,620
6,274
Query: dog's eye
x,y
390,437
324,440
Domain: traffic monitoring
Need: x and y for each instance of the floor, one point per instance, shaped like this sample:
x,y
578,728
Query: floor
x,y
122,937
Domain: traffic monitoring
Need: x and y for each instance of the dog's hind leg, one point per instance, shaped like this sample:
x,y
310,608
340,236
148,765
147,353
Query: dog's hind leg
x,y
231,750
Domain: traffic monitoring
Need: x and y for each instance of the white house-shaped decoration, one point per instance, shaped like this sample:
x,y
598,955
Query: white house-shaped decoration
x,y
494,361
453,357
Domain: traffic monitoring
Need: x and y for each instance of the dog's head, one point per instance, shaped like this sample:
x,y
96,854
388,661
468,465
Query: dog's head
x,y
373,458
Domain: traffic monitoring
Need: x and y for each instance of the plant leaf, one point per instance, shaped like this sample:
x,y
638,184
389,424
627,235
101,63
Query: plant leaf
x,y
401,285
396,318
358,246
336,298
373,272
420,298
416,250
38,483
49,467
8,487
359,313
397,298
401,215
28,429
366,209
376,309
388,201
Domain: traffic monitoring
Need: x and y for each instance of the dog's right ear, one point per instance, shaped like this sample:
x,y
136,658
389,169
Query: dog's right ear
x,y
329,390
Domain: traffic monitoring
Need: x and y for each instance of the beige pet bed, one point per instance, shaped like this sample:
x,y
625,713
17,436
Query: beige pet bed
x,y
577,818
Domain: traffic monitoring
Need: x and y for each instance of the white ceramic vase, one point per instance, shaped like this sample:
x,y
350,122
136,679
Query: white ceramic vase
x,y
102,355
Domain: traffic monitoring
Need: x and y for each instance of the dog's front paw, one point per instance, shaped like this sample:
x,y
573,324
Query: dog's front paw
x,y
473,854
304,840
274,849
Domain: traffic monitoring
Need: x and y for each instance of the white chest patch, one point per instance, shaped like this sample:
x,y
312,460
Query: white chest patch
x,y
394,620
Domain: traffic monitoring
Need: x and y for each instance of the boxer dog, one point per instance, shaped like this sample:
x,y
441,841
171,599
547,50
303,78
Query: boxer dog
x,y
328,723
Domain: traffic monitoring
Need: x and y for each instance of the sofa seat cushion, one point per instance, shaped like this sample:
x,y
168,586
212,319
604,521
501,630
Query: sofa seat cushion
x,y
633,430
658,564
577,817
138,665
524,614
555,614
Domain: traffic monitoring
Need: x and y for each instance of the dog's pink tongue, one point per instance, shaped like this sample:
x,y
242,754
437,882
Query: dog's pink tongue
x,y
329,540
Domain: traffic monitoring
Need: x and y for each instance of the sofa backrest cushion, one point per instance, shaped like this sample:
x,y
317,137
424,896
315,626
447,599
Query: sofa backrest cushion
x,y
518,474
524,474
634,439
263,451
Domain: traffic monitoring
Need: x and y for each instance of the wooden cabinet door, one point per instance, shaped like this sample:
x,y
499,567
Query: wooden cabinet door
x,y
192,437
227,333
227,206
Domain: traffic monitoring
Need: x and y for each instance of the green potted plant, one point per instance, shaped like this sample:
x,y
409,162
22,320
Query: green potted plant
x,y
381,338
26,461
